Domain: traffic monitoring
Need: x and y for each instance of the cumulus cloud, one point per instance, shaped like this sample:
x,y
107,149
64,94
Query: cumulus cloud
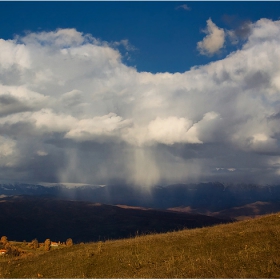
x,y
100,126
214,40
72,111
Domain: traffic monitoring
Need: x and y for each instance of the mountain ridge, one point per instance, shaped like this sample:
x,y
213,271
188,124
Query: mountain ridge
x,y
213,196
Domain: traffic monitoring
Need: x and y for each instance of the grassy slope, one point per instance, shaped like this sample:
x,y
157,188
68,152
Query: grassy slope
x,y
246,249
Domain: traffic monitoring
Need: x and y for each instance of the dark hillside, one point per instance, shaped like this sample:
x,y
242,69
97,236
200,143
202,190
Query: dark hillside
x,y
248,211
26,218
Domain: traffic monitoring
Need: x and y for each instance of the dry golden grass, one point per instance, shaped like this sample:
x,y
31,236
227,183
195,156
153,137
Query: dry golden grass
x,y
247,249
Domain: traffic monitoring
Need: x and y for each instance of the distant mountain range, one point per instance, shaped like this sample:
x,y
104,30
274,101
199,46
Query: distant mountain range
x,y
213,196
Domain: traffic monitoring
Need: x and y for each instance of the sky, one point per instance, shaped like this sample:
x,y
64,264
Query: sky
x,y
142,93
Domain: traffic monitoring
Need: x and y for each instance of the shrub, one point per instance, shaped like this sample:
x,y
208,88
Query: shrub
x,y
69,242
4,240
47,244
35,243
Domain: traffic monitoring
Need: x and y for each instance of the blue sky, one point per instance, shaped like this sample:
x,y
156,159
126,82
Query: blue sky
x,y
142,93
164,34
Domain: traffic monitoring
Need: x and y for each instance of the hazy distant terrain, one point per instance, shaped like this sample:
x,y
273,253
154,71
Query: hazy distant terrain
x,y
213,196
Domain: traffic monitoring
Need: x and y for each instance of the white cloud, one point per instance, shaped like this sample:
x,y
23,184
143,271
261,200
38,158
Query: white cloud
x,y
100,126
60,38
69,95
171,130
263,31
48,121
184,7
13,55
213,41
